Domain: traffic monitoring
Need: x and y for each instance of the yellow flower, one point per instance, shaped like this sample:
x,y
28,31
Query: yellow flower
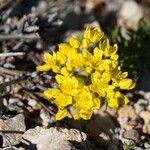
x,y
74,42
64,71
108,50
93,35
86,114
44,67
76,61
63,100
115,99
64,48
47,58
51,93
85,43
68,84
100,83
50,63
86,72
87,33
76,116
84,99
96,103
126,84
97,57
61,58
61,114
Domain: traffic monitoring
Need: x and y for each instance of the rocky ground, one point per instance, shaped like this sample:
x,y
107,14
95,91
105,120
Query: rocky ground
x,y
29,28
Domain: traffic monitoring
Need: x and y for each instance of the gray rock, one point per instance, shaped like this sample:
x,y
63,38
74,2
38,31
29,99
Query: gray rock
x,y
147,95
147,145
129,14
146,128
138,148
56,139
140,105
131,134
145,115
13,130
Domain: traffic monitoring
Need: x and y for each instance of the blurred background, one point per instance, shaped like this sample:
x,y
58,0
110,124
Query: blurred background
x,y
36,26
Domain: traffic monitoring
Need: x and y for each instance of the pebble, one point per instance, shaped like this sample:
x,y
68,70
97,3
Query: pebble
x,y
122,121
145,115
45,117
32,102
146,128
126,111
56,138
131,134
147,145
129,14
147,95
138,148
140,105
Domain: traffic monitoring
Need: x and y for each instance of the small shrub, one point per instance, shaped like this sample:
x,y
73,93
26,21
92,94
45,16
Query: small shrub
x,y
88,75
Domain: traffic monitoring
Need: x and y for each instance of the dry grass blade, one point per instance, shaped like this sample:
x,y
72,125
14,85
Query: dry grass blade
x,y
12,54
33,36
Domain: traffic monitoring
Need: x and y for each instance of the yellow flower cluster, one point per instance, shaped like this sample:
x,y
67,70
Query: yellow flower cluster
x,y
88,75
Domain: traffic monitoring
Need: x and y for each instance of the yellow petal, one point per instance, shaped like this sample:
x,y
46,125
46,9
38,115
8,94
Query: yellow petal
x,y
126,100
74,42
85,43
124,75
126,84
61,114
113,102
98,53
76,116
63,100
115,48
47,58
56,68
87,33
96,103
51,93
86,114
44,67
59,78
64,71
122,99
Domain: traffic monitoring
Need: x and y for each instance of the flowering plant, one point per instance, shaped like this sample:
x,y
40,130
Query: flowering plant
x,y
88,75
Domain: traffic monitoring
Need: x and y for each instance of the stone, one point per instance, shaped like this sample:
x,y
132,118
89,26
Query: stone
x,y
12,130
131,134
32,102
138,148
140,105
147,95
45,116
145,115
126,111
147,145
56,138
129,14
146,128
